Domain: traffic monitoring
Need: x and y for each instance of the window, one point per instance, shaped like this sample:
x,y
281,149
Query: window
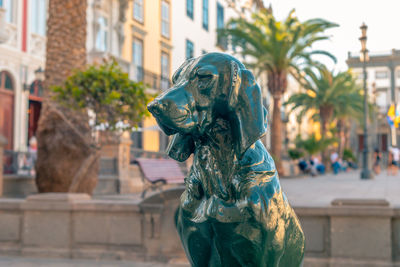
x,y
102,34
189,8
205,14
36,88
221,41
164,71
8,5
381,74
189,49
6,81
137,58
165,19
137,136
38,16
138,10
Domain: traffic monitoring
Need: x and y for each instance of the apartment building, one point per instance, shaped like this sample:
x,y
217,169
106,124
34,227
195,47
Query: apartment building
x,y
22,58
148,35
195,24
383,85
22,50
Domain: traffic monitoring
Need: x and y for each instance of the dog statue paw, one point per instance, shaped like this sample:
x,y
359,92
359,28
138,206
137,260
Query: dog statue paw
x,y
233,211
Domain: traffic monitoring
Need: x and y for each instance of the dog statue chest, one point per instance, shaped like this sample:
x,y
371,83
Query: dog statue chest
x,y
214,174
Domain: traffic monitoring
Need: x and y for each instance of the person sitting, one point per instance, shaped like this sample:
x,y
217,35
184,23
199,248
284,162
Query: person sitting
x,y
303,166
336,167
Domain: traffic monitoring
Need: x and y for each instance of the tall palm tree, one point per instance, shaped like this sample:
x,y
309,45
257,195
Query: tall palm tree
x,y
329,95
65,155
277,48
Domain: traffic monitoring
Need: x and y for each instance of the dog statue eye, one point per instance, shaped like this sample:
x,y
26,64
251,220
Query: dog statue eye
x,y
204,76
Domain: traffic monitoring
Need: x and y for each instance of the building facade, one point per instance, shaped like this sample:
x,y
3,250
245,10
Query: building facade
x,y
23,54
148,46
195,24
383,85
149,39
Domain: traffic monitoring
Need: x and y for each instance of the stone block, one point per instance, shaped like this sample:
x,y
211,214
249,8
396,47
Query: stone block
x,y
126,229
91,227
107,228
47,229
10,225
316,231
107,185
18,186
361,237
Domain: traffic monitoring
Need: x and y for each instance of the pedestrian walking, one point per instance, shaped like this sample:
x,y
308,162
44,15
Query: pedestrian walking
x,y
377,161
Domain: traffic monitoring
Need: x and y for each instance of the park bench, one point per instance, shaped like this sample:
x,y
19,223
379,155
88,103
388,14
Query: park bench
x,y
156,173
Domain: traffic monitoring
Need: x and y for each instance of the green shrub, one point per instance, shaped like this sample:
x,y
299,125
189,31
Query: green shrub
x,y
312,145
295,153
348,155
106,91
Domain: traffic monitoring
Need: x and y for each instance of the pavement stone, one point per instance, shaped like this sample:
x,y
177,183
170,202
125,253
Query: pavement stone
x,y
319,191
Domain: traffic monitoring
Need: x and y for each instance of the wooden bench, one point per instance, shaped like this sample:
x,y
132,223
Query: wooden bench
x,y
159,172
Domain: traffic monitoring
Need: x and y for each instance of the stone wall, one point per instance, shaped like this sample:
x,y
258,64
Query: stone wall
x,y
76,226
363,231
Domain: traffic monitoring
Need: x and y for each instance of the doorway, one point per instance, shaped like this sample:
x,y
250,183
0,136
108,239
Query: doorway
x,y
7,108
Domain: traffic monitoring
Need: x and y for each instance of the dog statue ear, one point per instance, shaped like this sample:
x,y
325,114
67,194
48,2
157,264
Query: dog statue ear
x,y
248,116
181,147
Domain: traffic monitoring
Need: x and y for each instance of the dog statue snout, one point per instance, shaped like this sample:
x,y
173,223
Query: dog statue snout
x,y
156,108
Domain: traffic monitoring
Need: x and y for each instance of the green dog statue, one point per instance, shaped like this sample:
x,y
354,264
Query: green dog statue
x,y
233,211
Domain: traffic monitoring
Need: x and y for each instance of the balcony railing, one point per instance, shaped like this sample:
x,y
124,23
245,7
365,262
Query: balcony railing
x,y
154,81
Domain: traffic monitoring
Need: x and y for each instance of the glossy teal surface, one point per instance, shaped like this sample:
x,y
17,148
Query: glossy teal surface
x,y
233,211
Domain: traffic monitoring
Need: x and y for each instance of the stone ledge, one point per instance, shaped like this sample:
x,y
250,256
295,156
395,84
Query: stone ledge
x,y
380,211
360,202
12,204
58,197
53,201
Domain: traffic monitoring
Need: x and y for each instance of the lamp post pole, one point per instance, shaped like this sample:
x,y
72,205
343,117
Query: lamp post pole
x,y
366,172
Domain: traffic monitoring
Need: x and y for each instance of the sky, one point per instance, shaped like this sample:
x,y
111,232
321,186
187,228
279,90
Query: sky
x,y
382,18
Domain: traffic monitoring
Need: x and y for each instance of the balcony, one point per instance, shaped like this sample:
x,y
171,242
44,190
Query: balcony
x,y
95,56
156,82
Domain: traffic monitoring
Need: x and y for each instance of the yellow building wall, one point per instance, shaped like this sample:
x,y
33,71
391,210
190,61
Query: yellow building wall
x,y
153,44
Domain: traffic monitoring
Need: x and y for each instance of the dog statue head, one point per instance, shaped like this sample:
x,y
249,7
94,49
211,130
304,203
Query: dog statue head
x,y
212,86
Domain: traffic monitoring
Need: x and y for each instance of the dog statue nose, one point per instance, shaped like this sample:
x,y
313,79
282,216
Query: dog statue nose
x,y
155,107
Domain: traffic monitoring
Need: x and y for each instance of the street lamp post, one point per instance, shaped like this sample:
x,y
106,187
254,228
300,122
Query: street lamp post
x,y
366,172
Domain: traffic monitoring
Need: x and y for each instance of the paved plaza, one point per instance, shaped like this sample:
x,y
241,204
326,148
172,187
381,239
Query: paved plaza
x,y
321,190
46,262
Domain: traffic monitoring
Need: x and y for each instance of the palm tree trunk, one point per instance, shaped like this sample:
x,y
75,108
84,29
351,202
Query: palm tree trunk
x,y
342,137
276,134
324,153
64,136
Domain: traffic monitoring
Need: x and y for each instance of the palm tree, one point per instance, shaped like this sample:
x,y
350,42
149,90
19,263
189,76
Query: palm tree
x,y
277,48
66,160
329,95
